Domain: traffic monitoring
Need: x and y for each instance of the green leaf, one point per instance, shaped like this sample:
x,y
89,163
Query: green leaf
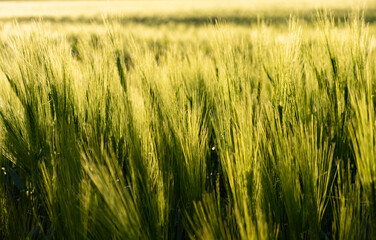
x,y
16,179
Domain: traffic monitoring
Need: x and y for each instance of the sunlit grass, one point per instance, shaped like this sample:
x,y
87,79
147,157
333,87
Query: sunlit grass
x,y
217,131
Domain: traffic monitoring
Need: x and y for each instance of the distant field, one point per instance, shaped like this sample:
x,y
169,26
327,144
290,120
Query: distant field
x,y
90,9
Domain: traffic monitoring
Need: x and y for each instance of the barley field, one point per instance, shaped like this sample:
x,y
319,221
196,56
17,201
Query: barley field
x,y
188,120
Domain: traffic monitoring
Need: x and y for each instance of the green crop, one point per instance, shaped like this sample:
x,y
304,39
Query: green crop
x,y
223,131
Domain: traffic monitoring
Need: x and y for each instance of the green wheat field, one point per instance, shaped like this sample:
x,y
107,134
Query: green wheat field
x,y
188,119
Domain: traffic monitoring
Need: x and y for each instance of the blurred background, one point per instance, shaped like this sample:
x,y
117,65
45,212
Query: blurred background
x,y
195,12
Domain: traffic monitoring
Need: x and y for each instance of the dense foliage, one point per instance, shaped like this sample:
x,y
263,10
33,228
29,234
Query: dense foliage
x,y
178,132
